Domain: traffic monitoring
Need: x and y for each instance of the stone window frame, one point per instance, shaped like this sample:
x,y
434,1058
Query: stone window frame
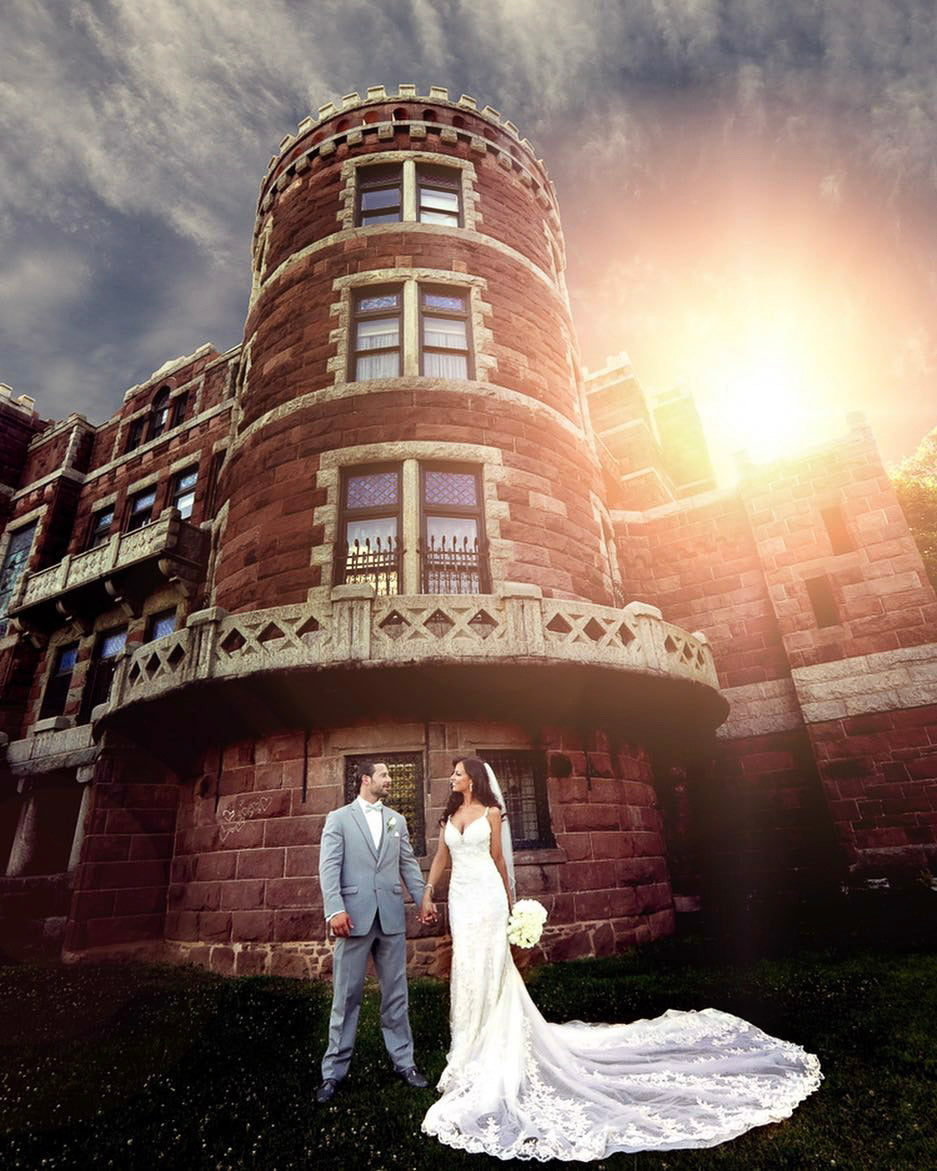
x,y
410,454
409,160
34,516
483,362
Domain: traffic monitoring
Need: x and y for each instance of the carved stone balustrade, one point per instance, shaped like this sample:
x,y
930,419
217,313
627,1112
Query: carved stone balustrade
x,y
124,569
300,665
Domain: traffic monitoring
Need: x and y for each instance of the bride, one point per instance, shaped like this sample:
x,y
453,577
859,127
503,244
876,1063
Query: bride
x,y
519,1087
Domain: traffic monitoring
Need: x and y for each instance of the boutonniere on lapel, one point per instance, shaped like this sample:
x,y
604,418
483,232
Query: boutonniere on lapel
x,y
391,822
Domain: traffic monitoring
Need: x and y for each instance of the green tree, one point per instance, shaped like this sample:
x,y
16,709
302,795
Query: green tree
x,y
915,481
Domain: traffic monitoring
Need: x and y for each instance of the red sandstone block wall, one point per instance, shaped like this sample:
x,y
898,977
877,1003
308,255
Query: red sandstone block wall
x,y
880,588
879,774
700,565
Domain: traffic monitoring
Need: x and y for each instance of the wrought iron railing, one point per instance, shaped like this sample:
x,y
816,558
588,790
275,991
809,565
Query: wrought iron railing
x,y
452,567
377,565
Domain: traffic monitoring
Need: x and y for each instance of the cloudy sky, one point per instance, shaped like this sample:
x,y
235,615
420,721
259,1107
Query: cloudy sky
x,y
748,187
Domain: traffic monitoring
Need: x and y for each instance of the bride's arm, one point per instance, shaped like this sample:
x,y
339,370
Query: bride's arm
x,y
436,871
494,816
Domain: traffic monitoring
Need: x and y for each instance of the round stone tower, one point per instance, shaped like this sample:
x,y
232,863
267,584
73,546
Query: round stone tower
x,y
411,556
408,307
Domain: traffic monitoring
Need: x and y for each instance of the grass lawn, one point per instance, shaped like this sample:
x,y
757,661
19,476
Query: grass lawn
x,y
143,1067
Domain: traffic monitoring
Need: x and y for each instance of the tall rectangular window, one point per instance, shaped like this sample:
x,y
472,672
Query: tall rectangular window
x,y
183,491
439,191
840,537
178,408
159,413
820,592
380,195
140,509
370,527
406,789
14,563
99,528
376,331
453,557
56,693
444,333
101,672
135,433
522,776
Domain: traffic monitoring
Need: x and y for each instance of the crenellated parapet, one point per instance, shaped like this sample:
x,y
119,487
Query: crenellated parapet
x,y
384,117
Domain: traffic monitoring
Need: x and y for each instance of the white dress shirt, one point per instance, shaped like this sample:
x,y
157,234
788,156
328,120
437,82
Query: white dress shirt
x,y
375,819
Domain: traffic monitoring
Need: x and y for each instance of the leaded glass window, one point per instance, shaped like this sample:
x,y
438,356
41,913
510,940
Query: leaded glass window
x,y
453,551
406,789
370,527
444,333
522,776
376,348
14,563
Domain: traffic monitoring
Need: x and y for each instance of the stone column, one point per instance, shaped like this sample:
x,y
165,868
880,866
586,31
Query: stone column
x,y
24,841
84,778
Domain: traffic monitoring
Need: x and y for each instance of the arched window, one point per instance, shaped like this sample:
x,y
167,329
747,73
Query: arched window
x,y
159,412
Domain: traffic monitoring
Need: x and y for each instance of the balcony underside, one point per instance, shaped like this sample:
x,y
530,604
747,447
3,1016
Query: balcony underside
x,y
124,571
180,725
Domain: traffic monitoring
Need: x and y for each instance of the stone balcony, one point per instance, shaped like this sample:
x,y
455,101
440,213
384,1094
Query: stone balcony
x,y
513,654
124,569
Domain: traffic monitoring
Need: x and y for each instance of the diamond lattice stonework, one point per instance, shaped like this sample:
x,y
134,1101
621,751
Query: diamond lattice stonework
x,y
439,623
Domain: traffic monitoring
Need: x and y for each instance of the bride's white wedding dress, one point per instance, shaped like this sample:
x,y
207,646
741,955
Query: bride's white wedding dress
x,y
519,1087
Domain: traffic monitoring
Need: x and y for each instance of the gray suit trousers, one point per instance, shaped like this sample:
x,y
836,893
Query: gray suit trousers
x,y
348,967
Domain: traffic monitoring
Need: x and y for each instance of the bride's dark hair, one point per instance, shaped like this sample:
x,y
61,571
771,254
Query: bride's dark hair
x,y
481,789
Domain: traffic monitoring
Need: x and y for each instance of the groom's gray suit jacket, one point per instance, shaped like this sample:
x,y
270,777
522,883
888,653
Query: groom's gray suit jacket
x,y
357,878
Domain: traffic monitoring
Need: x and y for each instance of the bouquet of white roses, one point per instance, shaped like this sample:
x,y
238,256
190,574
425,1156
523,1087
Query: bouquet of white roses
x,y
525,926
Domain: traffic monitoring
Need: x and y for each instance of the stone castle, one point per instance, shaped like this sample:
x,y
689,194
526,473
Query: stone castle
x,y
399,521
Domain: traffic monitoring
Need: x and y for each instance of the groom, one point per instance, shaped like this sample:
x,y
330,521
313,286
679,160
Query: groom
x,y
364,856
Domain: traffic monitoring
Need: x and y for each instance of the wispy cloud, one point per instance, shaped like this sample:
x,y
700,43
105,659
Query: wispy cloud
x,y
134,133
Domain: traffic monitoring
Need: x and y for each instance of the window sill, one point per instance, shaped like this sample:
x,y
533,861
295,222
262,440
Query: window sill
x,y
53,724
546,856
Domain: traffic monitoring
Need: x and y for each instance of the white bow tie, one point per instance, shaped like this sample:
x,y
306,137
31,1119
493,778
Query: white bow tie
x,y
368,805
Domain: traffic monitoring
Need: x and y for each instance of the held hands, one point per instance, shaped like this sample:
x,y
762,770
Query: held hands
x,y
428,909
341,924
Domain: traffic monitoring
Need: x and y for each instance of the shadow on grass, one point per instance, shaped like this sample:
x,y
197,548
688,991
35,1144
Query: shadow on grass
x,y
129,1067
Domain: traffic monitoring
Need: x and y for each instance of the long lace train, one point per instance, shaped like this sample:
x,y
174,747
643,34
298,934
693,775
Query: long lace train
x,y
519,1087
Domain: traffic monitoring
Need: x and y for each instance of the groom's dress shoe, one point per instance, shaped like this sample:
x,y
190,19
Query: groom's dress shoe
x,y
412,1077
326,1091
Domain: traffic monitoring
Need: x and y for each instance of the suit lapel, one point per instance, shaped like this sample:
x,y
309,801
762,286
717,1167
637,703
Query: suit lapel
x,y
358,817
